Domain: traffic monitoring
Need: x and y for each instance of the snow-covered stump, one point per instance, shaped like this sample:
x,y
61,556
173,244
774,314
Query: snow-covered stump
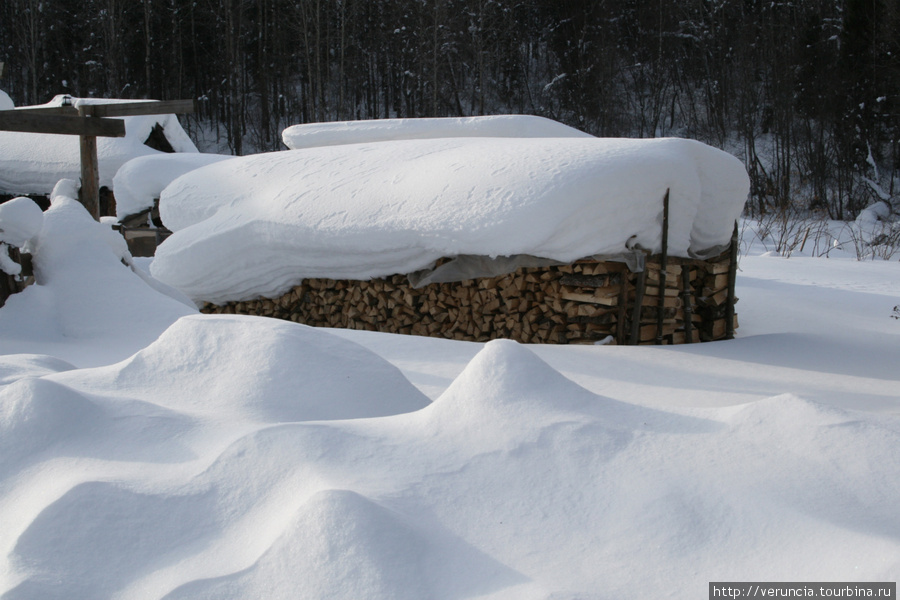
x,y
20,221
585,302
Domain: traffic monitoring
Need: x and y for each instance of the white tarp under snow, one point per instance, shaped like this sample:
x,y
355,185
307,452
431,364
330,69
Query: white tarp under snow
x,y
32,163
257,225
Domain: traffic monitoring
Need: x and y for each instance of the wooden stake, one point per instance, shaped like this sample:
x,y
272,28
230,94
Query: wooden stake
x,y
686,297
639,287
732,281
623,305
662,270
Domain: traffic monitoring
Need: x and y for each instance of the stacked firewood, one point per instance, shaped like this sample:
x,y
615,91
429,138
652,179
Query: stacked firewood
x,y
584,302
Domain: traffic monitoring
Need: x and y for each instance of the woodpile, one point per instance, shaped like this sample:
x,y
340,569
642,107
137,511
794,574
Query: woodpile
x,y
585,302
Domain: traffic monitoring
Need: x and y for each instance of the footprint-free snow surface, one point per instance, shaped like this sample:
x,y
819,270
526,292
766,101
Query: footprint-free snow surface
x,y
233,457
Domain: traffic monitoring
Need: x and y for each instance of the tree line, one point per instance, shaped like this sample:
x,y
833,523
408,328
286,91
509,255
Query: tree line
x,y
806,92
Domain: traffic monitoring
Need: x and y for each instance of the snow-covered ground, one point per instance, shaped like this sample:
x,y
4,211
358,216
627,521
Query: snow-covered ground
x,y
147,451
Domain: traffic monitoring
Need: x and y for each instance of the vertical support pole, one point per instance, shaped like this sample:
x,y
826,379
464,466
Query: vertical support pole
x,y
639,288
732,281
686,299
90,172
623,307
664,260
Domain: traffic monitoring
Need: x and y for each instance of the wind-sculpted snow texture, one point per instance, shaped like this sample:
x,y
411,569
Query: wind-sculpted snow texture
x,y
141,180
211,482
257,225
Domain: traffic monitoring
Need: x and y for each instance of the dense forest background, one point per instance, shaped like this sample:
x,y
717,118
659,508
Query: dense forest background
x,y
806,92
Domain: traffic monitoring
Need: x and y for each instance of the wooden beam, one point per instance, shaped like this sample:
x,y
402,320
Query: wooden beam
x,y
119,109
61,111
148,107
29,122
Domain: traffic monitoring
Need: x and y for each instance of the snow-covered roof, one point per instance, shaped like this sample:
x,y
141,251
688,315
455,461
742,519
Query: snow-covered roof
x,y
257,225
32,163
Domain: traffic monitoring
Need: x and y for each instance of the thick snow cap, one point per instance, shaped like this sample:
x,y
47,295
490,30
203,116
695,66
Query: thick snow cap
x,y
20,220
257,225
32,163
141,180
337,133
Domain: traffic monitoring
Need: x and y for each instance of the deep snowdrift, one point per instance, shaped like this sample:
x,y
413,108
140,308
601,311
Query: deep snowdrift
x,y
259,224
85,296
32,163
514,483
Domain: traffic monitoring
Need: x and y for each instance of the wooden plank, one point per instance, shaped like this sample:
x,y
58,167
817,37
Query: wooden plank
x,y
118,109
64,111
16,120
147,107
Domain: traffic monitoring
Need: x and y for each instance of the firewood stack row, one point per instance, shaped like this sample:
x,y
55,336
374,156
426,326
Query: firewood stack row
x,y
585,302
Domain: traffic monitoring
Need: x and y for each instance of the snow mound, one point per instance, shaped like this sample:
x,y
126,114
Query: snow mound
x,y
86,290
32,163
124,528
18,366
515,483
36,414
260,370
257,225
141,180
20,221
339,544
6,102
312,135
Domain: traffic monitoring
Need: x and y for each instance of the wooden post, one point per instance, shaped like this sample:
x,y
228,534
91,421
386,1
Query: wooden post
x,y
664,259
623,307
686,299
732,281
639,288
90,171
